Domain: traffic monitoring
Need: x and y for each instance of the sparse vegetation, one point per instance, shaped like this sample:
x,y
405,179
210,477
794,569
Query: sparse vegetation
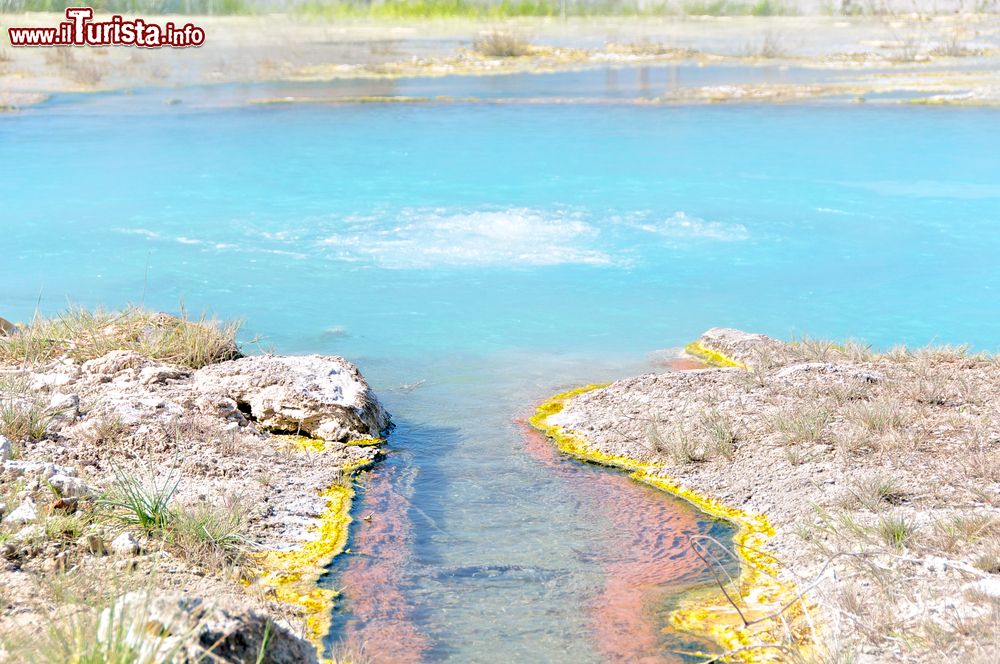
x,y
714,436
646,47
95,634
721,432
731,8
814,349
417,9
350,653
842,393
196,7
959,533
874,493
64,526
928,386
954,47
499,44
687,447
85,335
140,501
796,456
24,418
109,431
989,562
899,453
203,530
130,425
804,425
878,416
769,8
895,531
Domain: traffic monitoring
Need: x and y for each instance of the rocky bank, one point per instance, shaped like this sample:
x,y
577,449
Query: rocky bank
x,y
252,459
865,488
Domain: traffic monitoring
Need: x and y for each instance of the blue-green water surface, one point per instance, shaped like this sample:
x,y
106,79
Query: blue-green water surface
x,y
473,259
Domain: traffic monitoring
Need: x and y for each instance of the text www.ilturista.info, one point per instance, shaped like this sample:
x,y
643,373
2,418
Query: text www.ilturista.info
x,y
81,30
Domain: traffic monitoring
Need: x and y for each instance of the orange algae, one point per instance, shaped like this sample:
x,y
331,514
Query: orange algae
x,y
381,621
638,576
707,614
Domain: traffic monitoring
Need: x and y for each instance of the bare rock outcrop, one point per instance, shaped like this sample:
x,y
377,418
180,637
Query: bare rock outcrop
x,y
210,441
875,471
320,396
744,347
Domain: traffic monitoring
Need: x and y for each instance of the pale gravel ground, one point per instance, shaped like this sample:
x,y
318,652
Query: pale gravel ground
x,y
126,413
936,437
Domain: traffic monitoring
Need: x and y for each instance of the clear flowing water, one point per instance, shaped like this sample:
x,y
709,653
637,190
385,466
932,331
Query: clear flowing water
x,y
473,259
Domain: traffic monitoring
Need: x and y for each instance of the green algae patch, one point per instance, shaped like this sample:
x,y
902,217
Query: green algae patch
x,y
300,443
707,613
365,442
292,576
713,357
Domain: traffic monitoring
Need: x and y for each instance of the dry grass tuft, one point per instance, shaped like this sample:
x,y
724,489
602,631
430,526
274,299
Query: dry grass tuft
x,y
844,392
109,432
24,419
961,533
713,436
796,455
879,416
350,653
498,44
989,561
874,493
981,459
65,527
935,355
721,432
85,335
806,424
813,349
212,535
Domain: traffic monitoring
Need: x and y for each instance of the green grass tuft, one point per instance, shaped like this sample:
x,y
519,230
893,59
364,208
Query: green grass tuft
x,y
140,501
218,528
895,531
24,419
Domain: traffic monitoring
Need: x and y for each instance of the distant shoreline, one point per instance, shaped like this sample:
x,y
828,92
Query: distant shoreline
x,y
944,59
